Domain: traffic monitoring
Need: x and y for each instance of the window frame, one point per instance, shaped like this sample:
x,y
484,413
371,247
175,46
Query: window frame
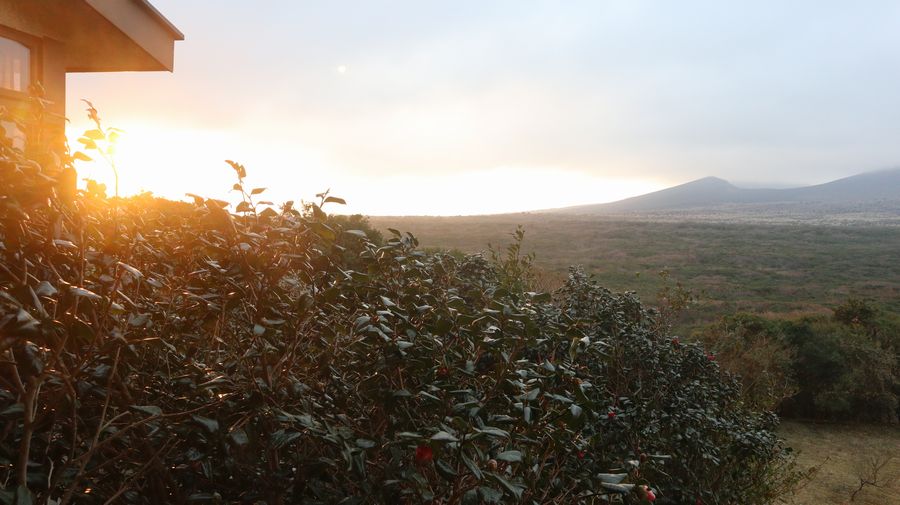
x,y
33,44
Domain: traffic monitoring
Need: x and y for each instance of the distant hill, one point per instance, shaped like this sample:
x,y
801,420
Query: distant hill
x,y
872,192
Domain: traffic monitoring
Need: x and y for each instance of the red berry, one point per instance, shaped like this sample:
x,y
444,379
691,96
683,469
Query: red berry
x,y
611,415
443,371
651,496
711,357
581,454
424,454
676,341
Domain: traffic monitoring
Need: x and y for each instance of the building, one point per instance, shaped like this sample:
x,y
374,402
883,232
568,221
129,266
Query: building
x,y
43,40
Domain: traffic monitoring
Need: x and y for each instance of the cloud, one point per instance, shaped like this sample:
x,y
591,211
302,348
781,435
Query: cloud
x,y
782,91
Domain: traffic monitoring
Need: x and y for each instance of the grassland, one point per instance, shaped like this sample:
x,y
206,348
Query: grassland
x,y
841,453
763,268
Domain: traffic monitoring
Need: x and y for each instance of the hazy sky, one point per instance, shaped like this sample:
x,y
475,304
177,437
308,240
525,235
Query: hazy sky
x,y
462,107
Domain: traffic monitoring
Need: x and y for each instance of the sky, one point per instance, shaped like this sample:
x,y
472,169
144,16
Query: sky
x,y
413,107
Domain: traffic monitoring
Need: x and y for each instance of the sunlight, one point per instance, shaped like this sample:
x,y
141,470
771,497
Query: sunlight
x,y
490,191
165,161
172,161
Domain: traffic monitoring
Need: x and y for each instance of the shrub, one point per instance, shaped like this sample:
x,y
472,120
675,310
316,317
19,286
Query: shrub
x,y
755,350
842,368
844,372
173,353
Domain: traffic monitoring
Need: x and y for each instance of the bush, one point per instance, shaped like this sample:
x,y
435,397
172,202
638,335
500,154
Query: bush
x,y
844,372
843,368
755,350
170,353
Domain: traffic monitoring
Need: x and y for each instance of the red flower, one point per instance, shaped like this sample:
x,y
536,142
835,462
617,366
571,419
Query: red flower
x,y
711,357
424,454
650,495
581,454
611,415
676,341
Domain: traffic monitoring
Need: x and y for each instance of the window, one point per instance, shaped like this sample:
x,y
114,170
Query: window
x,y
15,65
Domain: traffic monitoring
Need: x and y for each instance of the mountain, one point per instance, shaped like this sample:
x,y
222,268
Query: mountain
x,y
867,192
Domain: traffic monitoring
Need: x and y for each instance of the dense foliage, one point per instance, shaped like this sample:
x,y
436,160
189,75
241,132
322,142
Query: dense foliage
x,y
844,367
162,352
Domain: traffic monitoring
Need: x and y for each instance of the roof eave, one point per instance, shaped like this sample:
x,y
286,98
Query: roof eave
x,y
162,19
152,34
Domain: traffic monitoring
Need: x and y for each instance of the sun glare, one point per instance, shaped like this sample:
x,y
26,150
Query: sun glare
x,y
171,162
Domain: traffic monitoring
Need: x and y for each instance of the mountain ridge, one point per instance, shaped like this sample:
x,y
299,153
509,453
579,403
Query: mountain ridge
x,y
865,191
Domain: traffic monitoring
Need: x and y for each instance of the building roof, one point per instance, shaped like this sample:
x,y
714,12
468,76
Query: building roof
x,y
148,30
98,35
161,19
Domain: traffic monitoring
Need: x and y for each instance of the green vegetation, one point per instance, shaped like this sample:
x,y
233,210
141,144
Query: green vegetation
x,y
845,367
160,352
764,269
778,304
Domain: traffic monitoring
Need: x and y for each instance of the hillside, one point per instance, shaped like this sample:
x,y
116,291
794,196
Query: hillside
x,y
738,266
872,196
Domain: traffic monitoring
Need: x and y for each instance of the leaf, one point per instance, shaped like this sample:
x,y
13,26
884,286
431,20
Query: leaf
x,y
88,143
81,156
198,200
357,233
256,191
324,231
472,467
84,293
618,488
238,168
541,297
45,289
490,495
364,443
612,478
514,489
575,410
153,410
240,437
443,436
334,199
211,425
130,269
445,470
510,456
282,438
64,243
138,320
201,497
94,134
494,432
13,410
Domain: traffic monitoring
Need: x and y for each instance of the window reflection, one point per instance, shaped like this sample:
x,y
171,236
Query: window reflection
x,y
15,65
